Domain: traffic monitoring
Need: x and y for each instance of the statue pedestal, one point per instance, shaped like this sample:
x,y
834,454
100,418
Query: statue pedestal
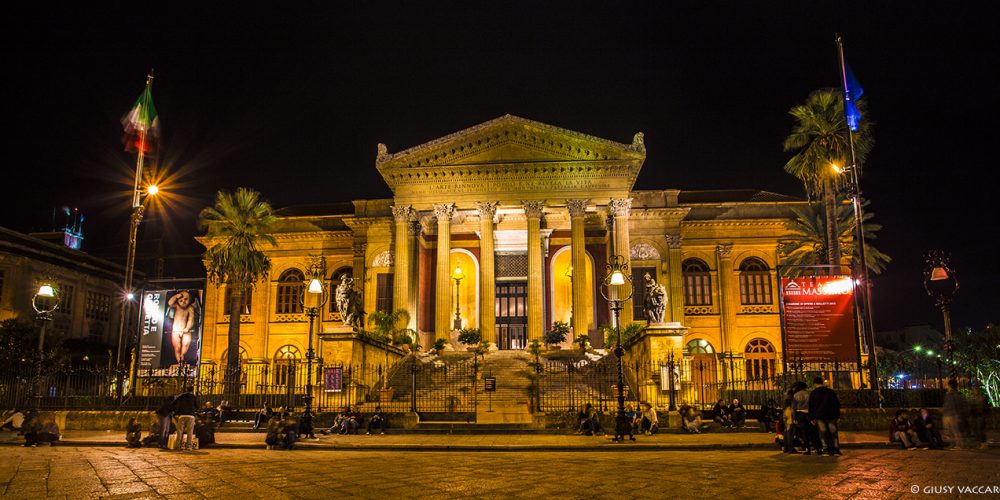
x,y
336,344
663,338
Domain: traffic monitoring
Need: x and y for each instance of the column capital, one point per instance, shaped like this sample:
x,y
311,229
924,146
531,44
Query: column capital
x,y
533,209
444,212
620,206
577,208
725,250
487,209
402,213
360,248
674,241
414,227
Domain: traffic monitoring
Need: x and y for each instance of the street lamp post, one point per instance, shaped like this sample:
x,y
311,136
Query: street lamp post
x,y
941,283
45,301
617,289
458,277
317,290
139,197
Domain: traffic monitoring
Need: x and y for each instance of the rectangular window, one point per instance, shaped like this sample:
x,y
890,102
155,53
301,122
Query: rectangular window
x,y
66,295
697,289
639,290
755,288
383,292
289,298
246,301
98,306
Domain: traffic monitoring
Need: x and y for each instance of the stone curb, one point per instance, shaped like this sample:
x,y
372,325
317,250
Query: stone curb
x,y
605,447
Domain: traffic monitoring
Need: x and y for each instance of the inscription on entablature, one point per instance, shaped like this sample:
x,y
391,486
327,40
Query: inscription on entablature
x,y
520,185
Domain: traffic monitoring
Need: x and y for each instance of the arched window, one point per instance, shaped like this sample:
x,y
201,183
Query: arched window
x,y
700,346
755,282
285,361
289,296
245,301
697,283
760,359
243,357
335,280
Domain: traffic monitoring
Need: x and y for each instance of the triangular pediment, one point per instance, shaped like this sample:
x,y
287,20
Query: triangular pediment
x,y
510,139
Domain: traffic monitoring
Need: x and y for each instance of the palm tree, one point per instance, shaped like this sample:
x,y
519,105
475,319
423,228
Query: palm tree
x,y
807,230
387,329
820,140
237,226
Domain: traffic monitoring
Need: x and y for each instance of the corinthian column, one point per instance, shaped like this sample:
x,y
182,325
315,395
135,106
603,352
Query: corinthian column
x,y
533,213
442,294
674,242
727,294
401,269
578,259
620,209
487,284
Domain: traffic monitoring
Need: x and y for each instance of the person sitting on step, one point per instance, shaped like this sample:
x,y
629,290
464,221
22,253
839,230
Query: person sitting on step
x,y
377,420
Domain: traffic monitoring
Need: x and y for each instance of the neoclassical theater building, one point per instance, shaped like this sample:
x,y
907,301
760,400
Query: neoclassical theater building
x,y
504,227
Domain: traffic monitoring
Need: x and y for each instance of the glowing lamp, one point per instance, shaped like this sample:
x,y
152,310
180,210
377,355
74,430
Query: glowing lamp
x,y
938,274
152,189
130,296
917,348
46,291
617,278
836,168
315,286
458,273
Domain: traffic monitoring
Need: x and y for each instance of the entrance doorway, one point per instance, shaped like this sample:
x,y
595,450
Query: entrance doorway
x,y
512,314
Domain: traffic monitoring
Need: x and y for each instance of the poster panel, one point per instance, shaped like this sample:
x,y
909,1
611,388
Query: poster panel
x,y
333,379
818,322
170,345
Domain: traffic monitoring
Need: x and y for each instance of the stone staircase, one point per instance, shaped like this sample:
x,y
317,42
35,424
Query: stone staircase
x,y
509,404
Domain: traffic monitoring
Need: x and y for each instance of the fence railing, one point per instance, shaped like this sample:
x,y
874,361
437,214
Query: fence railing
x,y
569,384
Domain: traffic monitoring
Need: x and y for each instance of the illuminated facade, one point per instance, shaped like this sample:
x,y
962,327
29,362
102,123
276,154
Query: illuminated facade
x,y
522,209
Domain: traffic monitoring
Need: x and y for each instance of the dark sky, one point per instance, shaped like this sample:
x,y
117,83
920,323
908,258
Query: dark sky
x,y
293,101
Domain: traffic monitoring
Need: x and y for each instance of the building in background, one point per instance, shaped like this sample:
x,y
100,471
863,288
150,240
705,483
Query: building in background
x,y
522,209
90,287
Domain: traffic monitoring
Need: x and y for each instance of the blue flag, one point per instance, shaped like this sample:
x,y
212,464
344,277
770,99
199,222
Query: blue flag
x,y
852,92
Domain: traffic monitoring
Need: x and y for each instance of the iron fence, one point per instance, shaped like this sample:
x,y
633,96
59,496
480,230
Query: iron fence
x,y
569,384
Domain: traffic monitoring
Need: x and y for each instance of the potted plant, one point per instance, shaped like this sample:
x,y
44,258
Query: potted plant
x,y
407,339
557,335
439,345
470,337
582,340
482,348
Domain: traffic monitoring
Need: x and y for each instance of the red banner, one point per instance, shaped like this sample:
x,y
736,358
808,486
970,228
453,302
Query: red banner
x,y
818,322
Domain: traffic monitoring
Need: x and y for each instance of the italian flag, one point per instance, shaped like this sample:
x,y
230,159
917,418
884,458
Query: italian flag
x,y
142,126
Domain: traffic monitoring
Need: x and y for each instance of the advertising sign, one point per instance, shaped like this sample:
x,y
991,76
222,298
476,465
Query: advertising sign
x,y
333,379
818,322
171,333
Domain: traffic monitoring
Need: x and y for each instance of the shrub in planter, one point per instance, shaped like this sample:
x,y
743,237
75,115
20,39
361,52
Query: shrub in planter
x,y
470,336
439,345
558,333
581,340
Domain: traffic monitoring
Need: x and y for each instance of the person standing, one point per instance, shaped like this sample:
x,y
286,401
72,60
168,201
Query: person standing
x,y
165,414
952,410
185,406
800,405
824,411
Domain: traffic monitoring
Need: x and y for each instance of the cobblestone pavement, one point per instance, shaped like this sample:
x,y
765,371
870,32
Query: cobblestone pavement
x,y
87,472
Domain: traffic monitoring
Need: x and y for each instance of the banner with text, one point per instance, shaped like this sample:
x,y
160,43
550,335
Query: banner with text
x,y
171,333
818,323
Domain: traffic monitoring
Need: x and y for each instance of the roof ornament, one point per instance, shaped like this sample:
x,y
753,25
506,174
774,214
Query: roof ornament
x,y
383,154
637,143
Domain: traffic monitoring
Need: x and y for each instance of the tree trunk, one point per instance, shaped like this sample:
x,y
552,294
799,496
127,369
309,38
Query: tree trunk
x,y
833,252
233,367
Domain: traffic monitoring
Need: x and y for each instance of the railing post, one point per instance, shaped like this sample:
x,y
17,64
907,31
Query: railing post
x,y
413,385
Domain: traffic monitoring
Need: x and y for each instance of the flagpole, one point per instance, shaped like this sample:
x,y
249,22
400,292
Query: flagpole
x,y
135,218
859,233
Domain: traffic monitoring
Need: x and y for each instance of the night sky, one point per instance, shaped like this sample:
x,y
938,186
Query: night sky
x,y
293,101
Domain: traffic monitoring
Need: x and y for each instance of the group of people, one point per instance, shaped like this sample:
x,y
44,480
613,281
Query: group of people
x,y
809,422
642,421
181,417
349,421
732,415
36,427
